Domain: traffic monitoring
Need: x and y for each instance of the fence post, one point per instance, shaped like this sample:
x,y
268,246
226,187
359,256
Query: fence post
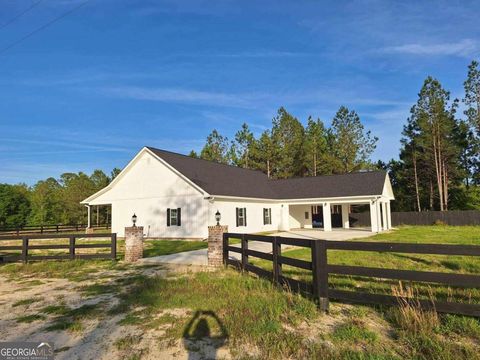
x,y
244,252
57,228
25,249
114,246
225,249
277,267
320,273
72,247
41,229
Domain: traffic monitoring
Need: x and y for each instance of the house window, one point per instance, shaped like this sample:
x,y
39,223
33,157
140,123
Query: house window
x,y
174,217
267,216
306,215
241,217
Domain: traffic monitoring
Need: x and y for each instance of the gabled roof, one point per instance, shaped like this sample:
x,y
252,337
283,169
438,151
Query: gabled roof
x,y
226,180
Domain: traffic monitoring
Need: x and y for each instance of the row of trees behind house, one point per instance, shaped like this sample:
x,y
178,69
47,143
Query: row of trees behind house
x,y
52,201
289,149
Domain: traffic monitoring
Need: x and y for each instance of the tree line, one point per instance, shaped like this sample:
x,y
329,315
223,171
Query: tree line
x,y
53,201
290,149
439,161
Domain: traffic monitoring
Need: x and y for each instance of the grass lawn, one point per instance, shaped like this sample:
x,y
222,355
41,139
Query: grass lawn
x,y
407,234
129,311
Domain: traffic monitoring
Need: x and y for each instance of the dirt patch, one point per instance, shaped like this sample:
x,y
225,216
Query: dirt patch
x,y
74,315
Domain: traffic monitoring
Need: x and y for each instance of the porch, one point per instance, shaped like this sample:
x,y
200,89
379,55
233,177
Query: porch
x,y
328,216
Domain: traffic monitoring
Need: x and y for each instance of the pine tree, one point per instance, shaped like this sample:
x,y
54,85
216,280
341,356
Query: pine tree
x,y
472,111
434,119
288,137
216,148
316,148
241,148
263,154
352,146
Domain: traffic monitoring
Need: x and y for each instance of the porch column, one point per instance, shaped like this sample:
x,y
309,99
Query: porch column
x,y
88,217
327,217
389,216
373,216
379,215
345,219
384,216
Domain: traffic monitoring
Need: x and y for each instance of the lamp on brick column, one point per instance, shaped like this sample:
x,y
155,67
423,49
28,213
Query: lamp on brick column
x,y
134,219
218,216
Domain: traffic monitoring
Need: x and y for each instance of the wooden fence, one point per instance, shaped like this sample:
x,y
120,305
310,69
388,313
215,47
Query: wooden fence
x,y
72,247
321,270
48,229
452,217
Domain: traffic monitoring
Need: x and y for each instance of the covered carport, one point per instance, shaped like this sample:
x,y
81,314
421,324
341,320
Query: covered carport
x,y
329,212
326,215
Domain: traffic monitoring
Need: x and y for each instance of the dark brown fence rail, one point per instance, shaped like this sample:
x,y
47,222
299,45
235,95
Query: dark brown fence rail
x,y
452,217
48,229
321,270
71,248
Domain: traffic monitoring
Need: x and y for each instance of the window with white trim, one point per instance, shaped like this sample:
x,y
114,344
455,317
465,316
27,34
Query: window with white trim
x,y
174,217
241,217
267,216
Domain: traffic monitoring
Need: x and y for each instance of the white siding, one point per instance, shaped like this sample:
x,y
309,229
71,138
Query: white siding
x,y
255,224
297,216
147,189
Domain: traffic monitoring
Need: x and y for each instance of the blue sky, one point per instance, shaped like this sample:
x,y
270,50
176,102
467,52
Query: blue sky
x,y
94,87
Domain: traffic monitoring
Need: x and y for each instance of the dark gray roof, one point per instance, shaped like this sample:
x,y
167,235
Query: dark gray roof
x,y
220,179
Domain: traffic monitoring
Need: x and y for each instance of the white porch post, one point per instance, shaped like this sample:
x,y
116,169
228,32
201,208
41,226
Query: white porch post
x,y
345,219
389,216
88,217
384,216
327,217
373,216
379,215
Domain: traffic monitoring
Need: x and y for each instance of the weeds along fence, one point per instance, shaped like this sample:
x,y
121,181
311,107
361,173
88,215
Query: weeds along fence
x,y
321,269
48,229
19,248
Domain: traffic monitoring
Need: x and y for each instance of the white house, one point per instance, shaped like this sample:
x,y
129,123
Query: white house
x,y
177,196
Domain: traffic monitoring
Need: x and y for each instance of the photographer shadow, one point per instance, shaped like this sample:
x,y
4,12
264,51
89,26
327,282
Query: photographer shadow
x,y
204,335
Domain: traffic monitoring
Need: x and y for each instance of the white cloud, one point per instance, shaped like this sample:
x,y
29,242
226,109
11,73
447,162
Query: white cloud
x,y
464,48
181,96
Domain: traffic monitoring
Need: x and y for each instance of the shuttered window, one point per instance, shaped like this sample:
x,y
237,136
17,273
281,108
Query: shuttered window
x,y
267,216
174,217
241,217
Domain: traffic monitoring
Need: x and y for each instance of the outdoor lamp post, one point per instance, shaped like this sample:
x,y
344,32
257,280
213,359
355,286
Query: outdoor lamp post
x,y
134,219
218,217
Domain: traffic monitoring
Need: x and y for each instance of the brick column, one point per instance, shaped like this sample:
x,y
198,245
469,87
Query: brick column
x,y
215,245
133,243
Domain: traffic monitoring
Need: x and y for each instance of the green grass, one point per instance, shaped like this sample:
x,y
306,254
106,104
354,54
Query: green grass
x,y
248,312
26,302
354,330
167,247
30,318
240,308
74,270
71,319
407,234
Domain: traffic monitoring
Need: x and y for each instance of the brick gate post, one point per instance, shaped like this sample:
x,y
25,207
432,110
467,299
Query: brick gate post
x,y
133,243
215,245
